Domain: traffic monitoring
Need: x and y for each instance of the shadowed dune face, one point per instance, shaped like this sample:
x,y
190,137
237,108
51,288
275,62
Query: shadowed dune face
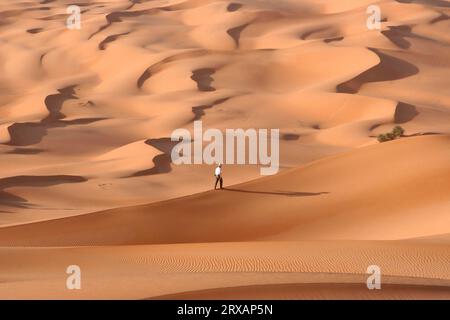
x,y
117,16
235,33
290,136
203,79
114,37
7,199
234,6
398,35
161,162
405,113
390,68
333,39
442,17
199,111
35,30
86,118
158,66
26,134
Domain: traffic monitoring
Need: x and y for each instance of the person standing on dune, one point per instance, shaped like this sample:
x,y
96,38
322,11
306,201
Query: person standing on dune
x,y
218,175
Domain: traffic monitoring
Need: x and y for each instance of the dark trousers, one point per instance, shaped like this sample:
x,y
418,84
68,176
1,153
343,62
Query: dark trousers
x,y
219,179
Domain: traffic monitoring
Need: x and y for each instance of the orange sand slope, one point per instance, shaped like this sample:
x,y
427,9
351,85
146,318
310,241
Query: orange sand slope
x,y
381,192
303,269
85,173
270,234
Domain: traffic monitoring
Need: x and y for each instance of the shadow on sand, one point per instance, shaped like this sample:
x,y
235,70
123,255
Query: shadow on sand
x,y
279,193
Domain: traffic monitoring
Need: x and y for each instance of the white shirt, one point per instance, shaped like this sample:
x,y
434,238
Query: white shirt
x,y
218,171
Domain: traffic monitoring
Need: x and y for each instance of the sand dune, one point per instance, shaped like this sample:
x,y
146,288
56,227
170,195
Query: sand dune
x,y
85,169
302,269
295,205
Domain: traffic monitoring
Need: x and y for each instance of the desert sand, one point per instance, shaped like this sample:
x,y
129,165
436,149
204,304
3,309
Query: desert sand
x,y
86,176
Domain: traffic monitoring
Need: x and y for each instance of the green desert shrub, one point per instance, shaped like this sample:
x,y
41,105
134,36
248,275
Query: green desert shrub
x,y
398,131
382,138
390,136
394,134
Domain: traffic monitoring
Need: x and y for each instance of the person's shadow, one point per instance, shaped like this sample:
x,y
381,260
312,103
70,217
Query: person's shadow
x,y
279,193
